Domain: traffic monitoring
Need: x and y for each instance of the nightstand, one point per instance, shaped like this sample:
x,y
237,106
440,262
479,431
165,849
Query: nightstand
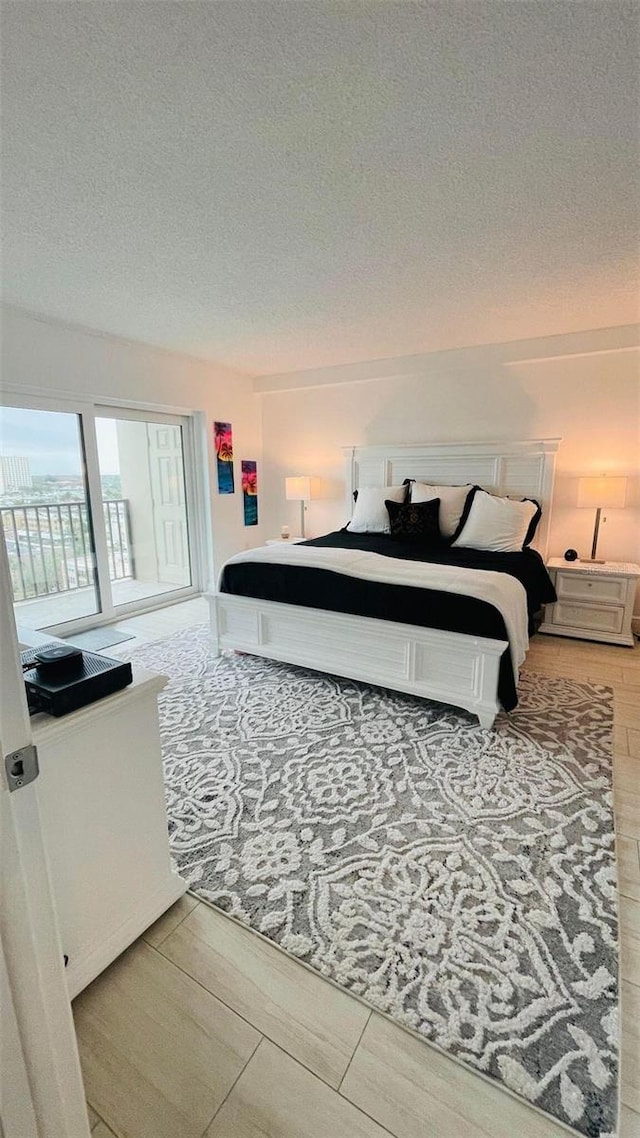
x,y
284,540
595,602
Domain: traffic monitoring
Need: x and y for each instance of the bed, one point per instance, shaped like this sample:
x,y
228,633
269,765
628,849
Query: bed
x,y
453,627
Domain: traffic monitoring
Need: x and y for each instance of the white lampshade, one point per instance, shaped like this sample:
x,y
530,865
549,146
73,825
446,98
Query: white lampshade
x,y
602,491
303,488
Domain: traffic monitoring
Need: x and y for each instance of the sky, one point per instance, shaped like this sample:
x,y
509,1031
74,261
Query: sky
x,y
51,441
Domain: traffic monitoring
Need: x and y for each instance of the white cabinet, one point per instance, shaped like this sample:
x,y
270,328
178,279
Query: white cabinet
x,y
595,602
104,820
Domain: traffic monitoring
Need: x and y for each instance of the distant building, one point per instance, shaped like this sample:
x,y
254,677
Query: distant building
x,y
15,473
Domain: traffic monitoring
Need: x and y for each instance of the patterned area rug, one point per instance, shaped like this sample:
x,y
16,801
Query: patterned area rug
x,y
461,881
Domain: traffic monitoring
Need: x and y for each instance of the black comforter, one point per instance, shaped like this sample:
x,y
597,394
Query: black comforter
x,y
325,589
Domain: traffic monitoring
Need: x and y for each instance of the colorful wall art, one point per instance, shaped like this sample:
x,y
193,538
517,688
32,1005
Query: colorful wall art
x,y
250,492
223,439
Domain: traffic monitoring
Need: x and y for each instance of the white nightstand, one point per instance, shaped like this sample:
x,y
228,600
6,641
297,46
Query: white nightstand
x,y
284,540
595,602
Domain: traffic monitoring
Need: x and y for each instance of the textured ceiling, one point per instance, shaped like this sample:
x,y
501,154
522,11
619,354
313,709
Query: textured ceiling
x,y
282,185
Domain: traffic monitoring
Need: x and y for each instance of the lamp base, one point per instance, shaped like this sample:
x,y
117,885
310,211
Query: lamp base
x,y
594,547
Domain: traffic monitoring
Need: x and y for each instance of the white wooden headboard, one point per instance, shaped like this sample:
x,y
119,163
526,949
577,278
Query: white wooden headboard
x,y
519,469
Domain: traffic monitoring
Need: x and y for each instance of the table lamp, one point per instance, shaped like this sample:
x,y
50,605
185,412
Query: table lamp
x,y
302,488
597,494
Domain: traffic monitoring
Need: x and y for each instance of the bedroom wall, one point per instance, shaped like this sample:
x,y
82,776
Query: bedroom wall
x,y
585,388
41,356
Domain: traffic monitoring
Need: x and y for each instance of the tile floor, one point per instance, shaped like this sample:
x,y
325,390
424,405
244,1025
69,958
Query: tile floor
x,y
162,622
203,1030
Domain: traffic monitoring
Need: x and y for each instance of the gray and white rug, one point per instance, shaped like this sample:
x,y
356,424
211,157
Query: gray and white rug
x,y
461,881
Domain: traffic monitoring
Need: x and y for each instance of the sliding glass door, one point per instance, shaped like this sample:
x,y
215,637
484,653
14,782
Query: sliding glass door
x,y
46,517
95,505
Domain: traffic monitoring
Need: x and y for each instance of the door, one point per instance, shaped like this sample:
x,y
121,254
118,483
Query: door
x,y
46,517
17,1112
166,469
41,1078
142,461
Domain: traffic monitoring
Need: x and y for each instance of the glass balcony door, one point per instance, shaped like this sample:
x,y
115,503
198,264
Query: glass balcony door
x,y
45,513
95,506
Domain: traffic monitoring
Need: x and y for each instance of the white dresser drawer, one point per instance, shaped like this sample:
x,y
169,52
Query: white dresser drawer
x,y
588,587
596,618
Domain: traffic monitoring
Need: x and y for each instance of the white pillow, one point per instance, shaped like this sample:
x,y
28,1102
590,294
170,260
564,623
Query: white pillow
x,y
452,500
497,524
370,513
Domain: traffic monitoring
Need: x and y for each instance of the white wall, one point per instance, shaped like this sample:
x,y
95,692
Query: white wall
x,y
584,388
43,356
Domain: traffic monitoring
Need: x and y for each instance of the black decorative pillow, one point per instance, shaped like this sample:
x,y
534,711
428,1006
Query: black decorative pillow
x,y
415,522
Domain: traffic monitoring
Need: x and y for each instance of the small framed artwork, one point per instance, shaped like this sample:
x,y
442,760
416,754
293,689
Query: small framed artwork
x,y
250,492
223,438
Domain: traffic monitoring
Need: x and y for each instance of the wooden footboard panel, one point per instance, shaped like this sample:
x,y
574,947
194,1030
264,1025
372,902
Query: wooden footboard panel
x,y
446,666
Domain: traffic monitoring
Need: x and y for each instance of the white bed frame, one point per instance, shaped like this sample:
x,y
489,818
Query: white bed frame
x,y
449,667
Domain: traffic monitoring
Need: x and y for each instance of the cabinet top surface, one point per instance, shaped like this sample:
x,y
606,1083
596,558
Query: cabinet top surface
x,y
618,568
45,727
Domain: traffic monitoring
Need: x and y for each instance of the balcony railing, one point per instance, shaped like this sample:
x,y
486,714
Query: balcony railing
x,y
50,546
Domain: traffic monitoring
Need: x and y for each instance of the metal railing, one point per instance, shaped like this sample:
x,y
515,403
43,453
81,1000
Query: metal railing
x,y
50,546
